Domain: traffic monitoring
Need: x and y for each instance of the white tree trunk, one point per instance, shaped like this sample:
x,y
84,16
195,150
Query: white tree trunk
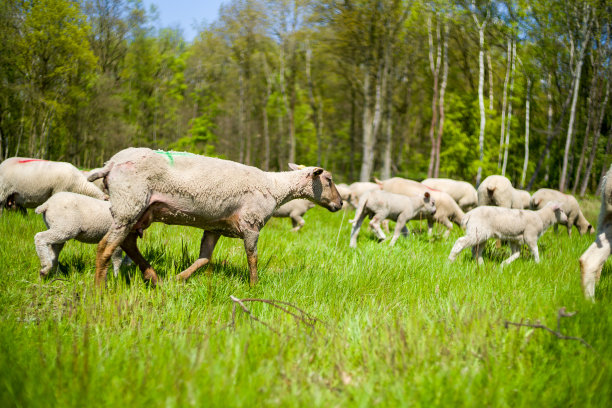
x,y
509,120
368,144
504,104
490,66
548,126
526,161
442,93
481,28
435,69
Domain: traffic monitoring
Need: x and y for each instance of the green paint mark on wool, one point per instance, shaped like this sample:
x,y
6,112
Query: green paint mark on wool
x,y
170,155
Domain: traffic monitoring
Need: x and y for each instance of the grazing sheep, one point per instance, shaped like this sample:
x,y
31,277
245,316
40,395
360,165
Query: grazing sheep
x,y
380,205
99,182
360,188
345,193
461,191
219,196
447,209
27,183
498,191
72,216
517,226
593,259
570,206
294,209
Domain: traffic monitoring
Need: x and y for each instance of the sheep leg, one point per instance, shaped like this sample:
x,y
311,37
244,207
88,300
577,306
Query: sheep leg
x,y
477,252
48,249
461,244
297,221
207,246
250,246
533,247
592,262
405,231
429,226
111,241
516,252
355,230
385,225
131,249
400,225
375,223
569,226
449,226
117,261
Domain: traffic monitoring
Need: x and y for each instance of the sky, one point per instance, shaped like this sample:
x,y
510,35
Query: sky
x,y
185,13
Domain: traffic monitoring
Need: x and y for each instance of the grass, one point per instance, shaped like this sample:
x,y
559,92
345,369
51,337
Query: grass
x,y
401,326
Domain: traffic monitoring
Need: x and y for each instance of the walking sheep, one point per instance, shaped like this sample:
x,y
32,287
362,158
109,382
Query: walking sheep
x,y
447,209
219,196
517,226
461,191
294,209
72,216
570,206
498,191
593,259
380,205
27,183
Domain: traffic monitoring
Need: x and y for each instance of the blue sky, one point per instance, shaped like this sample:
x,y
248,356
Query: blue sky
x,y
186,13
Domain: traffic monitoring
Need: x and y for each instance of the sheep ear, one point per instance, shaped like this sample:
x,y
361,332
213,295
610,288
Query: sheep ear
x,y
294,166
427,195
316,171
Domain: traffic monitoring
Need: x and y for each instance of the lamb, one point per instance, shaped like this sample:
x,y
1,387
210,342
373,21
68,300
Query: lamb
x,y
498,191
219,196
360,188
27,183
461,191
593,259
380,205
447,210
345,193
570,206
294,209
72,216
517,226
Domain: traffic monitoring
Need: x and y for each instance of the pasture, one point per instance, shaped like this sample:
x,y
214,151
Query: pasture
x,y
397,326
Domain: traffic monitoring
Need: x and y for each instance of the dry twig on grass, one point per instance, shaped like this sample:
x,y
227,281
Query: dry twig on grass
x,y
298,314
561,313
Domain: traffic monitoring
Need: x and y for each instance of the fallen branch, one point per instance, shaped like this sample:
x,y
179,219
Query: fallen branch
x,y
298,314
538,325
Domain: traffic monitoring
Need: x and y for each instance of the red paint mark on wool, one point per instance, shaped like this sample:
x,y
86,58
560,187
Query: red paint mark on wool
x,y
31,160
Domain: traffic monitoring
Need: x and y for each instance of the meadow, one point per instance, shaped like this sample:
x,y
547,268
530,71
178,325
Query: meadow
x,y
395,326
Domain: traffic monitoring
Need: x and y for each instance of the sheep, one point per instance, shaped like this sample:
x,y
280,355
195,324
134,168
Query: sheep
x,y
72,216
461,191
27,183
447,209
593,259
517,226
99,182
380,205
219,196
498,191
294,209
358,189
345,193
570,206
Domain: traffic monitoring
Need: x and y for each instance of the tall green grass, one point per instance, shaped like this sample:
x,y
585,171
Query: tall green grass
x,y
399,326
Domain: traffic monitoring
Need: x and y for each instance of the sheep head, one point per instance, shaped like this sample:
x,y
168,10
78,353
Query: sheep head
x,y
319,187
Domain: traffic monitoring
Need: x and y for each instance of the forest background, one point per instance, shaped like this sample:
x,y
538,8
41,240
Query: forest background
x,y
366,88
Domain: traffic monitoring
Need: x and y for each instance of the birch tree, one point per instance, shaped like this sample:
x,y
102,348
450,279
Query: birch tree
x,y
481,33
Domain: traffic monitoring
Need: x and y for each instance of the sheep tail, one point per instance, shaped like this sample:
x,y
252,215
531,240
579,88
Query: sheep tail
x,y
103,172
41,208
360,208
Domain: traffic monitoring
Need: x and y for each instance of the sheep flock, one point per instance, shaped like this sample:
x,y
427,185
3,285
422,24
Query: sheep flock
x,y
113,206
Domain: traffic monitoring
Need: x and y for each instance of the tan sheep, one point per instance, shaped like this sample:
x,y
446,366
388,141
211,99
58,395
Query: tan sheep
x,y
447,210
517,226
381,205
294,209
593,259
461,191
570,206
498,191
219,196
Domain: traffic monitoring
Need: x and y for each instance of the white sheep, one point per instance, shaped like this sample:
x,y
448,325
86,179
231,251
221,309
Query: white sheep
x,y
498,191
294,209
593,259
27,183
447,209
380,205
517,226
358,189
99,182
345,193
72,216
461,191
219,196
570,206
